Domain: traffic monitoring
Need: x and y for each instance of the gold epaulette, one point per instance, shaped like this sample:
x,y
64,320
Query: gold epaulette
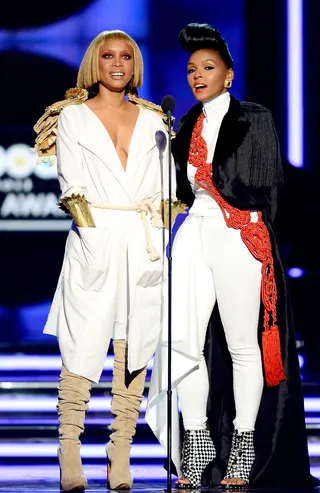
x,y
46,126
148,105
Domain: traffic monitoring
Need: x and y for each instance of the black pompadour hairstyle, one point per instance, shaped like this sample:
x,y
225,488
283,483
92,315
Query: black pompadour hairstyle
x,y
195,36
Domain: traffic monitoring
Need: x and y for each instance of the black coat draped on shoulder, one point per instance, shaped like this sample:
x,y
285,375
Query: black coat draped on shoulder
x,y
247,170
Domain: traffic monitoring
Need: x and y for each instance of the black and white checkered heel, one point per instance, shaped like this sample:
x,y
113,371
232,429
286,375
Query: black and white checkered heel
x,y
197,453
241,457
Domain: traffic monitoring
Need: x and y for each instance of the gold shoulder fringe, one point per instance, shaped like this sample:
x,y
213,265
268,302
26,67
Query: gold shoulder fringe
x,y
148,105
46,126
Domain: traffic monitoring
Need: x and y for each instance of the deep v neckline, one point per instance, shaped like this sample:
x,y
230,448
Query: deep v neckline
x,y
110,139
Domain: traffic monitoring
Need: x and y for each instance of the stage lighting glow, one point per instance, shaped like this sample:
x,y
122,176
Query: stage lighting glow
x,y
312,404
301,361
39,421
315,471
17,403
295,81
314,449
21,473
42,363
88,451
312,420
97,451
295,272
35,225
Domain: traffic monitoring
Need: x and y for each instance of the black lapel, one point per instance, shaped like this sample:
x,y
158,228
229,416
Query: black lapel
x,y
231,133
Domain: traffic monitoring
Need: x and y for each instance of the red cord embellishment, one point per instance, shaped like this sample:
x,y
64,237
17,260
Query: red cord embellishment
x,y
256,237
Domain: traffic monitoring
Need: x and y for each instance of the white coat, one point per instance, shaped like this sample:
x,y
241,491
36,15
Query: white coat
x,y
108,286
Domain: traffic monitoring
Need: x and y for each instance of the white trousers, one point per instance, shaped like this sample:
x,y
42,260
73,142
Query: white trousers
x,y
226,273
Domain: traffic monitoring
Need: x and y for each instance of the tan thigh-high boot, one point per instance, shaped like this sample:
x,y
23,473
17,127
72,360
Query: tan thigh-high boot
x,y
73,398
127,394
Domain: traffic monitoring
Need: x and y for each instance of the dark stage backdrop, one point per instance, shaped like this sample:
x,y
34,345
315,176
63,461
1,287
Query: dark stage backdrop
x,y
271,54
39,56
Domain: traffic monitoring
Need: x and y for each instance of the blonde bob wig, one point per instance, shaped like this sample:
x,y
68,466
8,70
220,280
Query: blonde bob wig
x,y
88,73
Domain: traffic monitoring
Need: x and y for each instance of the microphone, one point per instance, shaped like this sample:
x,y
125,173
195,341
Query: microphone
x,y
168,104
161,140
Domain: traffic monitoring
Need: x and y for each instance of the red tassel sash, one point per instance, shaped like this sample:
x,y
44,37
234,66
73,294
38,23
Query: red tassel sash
x,y
256,236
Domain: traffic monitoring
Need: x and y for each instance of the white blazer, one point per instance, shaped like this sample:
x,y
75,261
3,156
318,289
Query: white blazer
x,y
108,286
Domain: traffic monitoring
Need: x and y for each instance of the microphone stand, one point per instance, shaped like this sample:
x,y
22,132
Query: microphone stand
x,y
169,391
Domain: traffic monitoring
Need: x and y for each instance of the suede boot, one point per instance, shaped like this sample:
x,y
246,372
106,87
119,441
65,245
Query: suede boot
x,y
127,395
73,398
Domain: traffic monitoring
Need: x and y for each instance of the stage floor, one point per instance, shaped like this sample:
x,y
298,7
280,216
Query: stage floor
x,y
32,478
29,431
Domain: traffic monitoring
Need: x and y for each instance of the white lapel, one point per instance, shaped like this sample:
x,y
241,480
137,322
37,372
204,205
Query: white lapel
x,y
96,139
142,142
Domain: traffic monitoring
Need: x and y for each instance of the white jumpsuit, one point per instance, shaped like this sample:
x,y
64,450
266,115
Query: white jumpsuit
x,y
210,263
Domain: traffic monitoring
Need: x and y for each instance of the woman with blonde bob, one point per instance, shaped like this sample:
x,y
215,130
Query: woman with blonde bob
x,y
113,272
89,71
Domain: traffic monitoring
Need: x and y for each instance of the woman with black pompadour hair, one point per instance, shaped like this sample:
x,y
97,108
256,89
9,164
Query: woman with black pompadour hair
x,y
235,370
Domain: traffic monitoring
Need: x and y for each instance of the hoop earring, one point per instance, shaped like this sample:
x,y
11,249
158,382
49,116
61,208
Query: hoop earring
x,y
227,84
